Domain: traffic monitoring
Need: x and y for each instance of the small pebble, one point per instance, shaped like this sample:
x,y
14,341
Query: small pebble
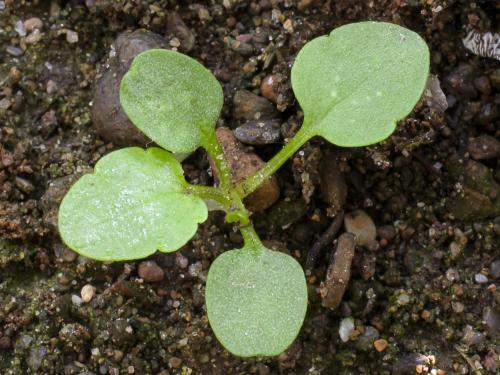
x,y
304,4
338,272
495,269
108,117
480,278
460,80
24,185
175,362
472,337
5,104
34,37
367,339
433,94
87,293
346,328
34,23
492,319
178,29
483,85
487,114
5,343
484,147
20,28
117,356
76,300
333,185
458,307
150,272
362,226
71,36
14,51
195,269
181,261
403,299
267,88
250,107
51,87
380,345
257,133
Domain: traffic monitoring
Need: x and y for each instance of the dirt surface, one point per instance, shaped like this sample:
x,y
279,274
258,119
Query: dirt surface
x,y
423,295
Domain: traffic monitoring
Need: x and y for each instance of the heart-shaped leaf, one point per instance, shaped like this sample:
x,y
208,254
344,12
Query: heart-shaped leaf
x,y
172,98
132,205
356,83
256,300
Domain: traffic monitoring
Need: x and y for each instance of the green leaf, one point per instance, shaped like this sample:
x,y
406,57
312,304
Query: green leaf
x,y
132,205
172,98
356,83
256,301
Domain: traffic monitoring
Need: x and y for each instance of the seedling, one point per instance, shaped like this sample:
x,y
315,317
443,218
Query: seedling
x,y
353,86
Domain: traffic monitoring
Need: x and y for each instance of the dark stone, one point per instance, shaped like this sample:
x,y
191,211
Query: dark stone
x,y
108,117
251,107
259,132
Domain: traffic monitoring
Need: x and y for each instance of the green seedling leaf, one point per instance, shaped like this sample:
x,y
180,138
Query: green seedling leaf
x,y
256,300
172,98
132,205
356,83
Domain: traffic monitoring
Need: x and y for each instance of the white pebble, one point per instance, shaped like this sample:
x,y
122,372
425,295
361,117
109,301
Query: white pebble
x,y
480,278
87,293
34,23
181,261
71,36
346,328
34,37
76,300
20,29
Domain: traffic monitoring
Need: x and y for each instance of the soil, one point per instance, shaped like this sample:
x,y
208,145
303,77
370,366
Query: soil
x,y
423,299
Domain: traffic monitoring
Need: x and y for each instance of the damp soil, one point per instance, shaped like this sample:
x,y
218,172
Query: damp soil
x,y
422,298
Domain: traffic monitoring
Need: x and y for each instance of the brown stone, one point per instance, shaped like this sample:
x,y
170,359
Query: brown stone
x,y
380,345
149,271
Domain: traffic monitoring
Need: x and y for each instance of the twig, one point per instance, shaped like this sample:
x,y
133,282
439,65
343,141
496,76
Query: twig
x,y
325,239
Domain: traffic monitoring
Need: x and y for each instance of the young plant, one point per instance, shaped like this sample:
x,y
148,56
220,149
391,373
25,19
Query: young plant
x,y
353,86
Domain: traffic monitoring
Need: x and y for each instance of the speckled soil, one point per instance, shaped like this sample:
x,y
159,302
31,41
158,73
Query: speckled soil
x,y
429,289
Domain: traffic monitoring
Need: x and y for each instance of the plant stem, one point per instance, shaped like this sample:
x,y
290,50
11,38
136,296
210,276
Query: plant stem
x,y
236,210
253,182
215,151
209,192
250,237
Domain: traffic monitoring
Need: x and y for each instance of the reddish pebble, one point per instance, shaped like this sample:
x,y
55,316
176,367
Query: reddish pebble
x,y
380,345
267,88
175,362
149,271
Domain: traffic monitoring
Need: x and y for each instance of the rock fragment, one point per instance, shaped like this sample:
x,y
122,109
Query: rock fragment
x,y
339,272
259,133
346,328
176,28
150,272
434,96
380,345
484,147
108,116
362,226
32,24
333,184
87,293
250,107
